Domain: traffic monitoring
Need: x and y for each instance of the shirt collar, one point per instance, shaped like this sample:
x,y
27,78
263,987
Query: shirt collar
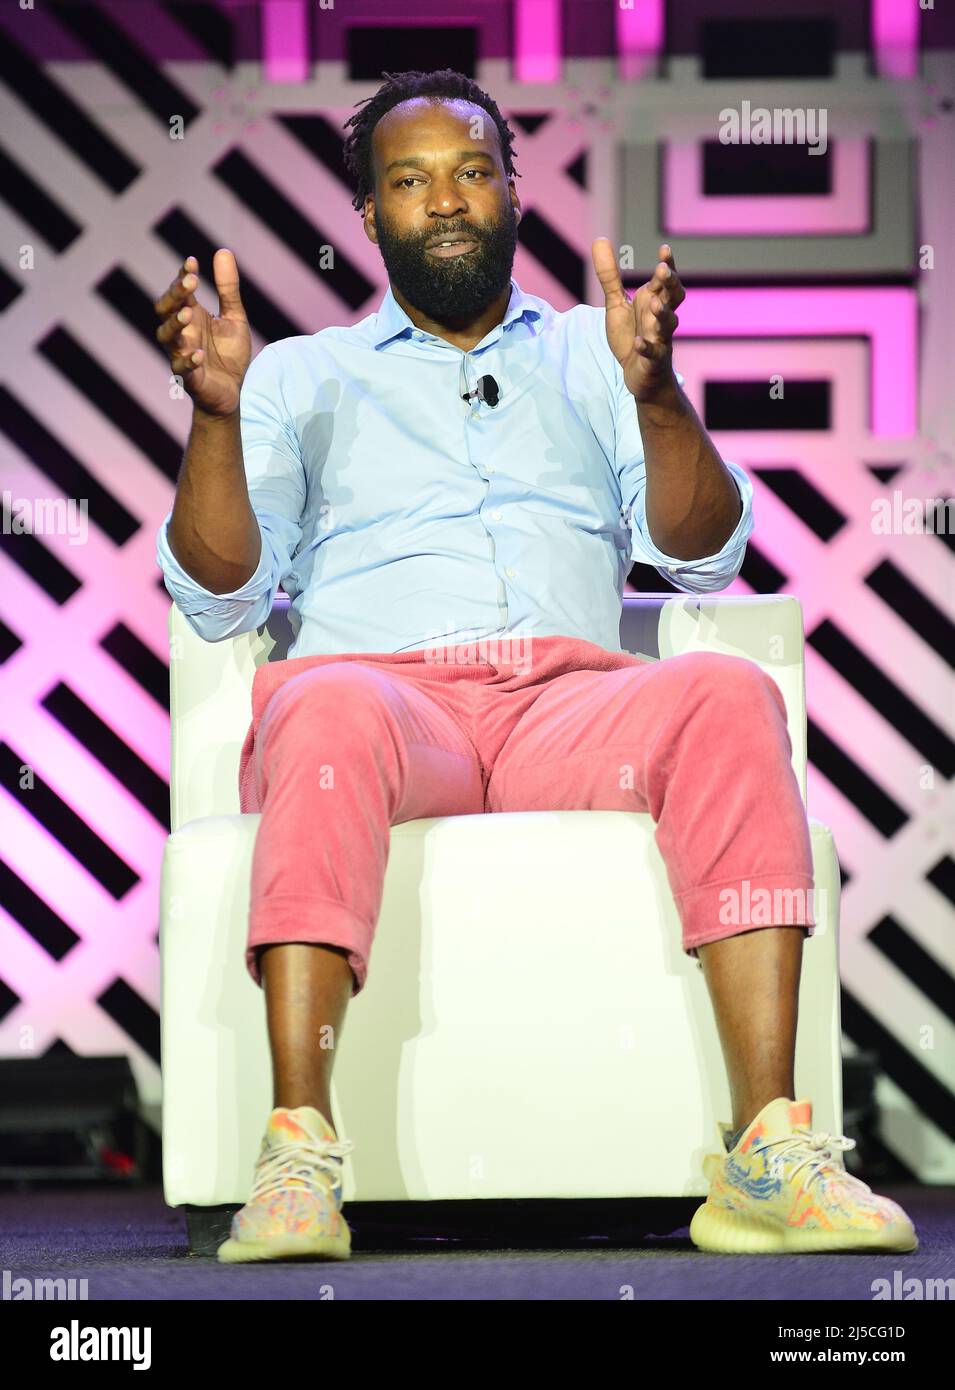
x,y
393,322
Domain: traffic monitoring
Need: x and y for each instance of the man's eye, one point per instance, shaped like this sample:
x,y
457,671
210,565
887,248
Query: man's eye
x,y
411,178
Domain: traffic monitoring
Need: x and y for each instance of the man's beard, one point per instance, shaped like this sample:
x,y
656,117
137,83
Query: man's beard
x,y
455,289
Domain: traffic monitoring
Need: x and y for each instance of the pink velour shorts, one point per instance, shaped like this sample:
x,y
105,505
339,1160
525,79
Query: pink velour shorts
x,y
343,746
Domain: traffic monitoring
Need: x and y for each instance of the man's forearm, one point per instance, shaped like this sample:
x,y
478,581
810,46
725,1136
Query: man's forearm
x,y
213,531
692,502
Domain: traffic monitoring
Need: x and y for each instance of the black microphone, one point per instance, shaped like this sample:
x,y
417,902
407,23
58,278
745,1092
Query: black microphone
x,y
487,391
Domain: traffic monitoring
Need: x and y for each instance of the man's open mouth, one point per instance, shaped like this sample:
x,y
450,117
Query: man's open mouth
x,y
451,248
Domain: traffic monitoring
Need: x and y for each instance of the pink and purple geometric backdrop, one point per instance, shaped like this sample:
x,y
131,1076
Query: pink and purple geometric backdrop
x,y
833,272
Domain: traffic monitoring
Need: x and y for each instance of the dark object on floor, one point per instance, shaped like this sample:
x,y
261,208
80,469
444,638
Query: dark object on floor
x,y
71,1118
870,1160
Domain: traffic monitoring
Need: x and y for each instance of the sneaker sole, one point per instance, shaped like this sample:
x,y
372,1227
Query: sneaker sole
x,y
731,1233
287,1247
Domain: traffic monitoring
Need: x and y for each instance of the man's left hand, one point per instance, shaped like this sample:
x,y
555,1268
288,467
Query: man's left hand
x,y
640,330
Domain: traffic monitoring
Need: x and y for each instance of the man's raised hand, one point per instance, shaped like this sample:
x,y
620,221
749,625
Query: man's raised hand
x,y
211,354
640,330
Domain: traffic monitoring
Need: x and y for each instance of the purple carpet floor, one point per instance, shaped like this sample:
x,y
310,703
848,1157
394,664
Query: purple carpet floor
x,y
130,1245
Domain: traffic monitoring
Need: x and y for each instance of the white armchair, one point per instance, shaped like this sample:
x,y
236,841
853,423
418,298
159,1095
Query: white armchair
x,y
527,999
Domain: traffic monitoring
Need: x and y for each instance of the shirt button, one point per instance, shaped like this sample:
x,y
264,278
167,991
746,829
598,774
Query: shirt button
x,y
491,470
509,572
496,516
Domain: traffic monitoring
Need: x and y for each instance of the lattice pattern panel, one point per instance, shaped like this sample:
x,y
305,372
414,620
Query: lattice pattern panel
x,y
811,270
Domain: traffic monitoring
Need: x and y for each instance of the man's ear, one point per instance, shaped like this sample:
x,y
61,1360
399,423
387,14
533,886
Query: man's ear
x,y
368,220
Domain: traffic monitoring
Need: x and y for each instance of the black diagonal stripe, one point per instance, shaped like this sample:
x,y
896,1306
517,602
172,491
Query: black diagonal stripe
x,y
323,141
299,233
760,573
9,642
50,453
92,376
40,564
871,800
151,790
35,205
935,1101
10,289
128,63
133,1014
121,292
915,963
34,915
915,608
62,822
208,26
872,684
185,238
138,661
942,877
8,1000
67,122
800,495
541,239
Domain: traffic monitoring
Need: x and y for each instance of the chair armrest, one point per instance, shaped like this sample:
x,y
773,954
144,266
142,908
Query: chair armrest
x,y
210,708
765,628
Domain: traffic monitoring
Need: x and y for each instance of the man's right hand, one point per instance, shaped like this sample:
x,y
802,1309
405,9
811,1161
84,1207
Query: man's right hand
x,y
211,355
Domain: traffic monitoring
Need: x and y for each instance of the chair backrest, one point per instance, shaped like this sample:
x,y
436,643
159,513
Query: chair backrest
x,y
210,683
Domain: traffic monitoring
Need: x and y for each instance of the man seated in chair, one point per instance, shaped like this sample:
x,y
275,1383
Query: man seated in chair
x,y
464,466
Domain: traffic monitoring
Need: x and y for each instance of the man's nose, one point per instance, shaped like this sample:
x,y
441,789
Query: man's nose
x,y
446,199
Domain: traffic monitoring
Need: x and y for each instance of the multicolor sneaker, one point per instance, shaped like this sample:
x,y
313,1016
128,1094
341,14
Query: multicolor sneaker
x,y
295,1208
785,1189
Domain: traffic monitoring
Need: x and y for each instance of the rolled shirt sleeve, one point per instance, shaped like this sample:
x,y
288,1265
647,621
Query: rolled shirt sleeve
x,y
705,574
275,477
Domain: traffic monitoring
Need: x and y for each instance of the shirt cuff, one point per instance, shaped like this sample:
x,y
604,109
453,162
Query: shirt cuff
x,y
190,597
723,564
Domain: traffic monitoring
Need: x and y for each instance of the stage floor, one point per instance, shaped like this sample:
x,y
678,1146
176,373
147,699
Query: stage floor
x,y
130,1245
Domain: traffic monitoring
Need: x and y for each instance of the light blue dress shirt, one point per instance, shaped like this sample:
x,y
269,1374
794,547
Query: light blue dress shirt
x,y
398,516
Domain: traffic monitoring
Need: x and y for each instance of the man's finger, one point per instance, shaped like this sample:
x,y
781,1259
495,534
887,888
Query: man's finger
x,y
664,272
608,273
666,322
663,278
668,287
645,347
674,284
175,296
226,274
